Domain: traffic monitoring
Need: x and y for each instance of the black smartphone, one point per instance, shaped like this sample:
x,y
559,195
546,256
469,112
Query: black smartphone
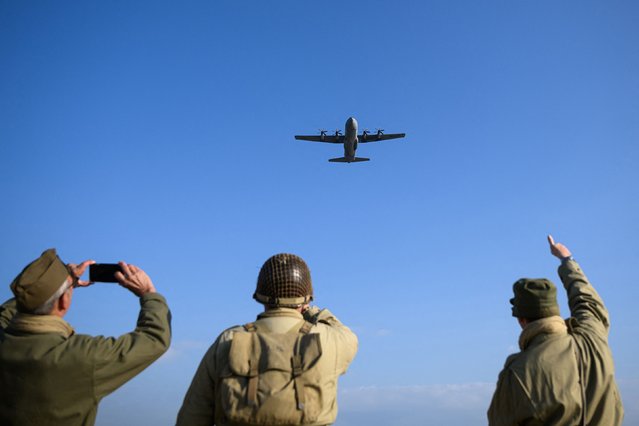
x,y
104,272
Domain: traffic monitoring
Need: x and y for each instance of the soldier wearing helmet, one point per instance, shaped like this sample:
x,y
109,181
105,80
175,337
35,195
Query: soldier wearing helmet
x,y
280,369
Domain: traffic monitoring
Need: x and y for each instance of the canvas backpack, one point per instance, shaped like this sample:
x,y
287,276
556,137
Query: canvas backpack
x,y
272,378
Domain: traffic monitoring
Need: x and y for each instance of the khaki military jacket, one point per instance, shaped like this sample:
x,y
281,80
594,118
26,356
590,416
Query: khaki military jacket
x,y
202,404
542,384
51,376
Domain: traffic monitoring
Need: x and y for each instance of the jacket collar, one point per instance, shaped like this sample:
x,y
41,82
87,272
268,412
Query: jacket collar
x,y
550,325
280,312
40,324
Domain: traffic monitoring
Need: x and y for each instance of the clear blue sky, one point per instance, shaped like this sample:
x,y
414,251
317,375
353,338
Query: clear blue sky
x,y
161,133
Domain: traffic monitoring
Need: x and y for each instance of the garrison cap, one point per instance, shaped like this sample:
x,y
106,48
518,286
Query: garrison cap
x,y
534,298
284,280
39,280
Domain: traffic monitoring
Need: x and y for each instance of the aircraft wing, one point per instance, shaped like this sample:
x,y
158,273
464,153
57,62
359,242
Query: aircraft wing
x,y
374,137
325,138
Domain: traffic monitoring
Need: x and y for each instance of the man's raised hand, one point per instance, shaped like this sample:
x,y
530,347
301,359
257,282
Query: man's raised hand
x,y
134,279
558,250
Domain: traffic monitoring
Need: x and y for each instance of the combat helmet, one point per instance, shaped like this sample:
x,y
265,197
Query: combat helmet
x,y
284,281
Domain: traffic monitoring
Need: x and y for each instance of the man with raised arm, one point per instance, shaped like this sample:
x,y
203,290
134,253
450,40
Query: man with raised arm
x,y
564,374
281,369
49,375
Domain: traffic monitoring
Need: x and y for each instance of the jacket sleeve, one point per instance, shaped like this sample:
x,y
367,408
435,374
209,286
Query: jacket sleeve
x,y
7,311
585,304
345,340
198,407
117,360
511,404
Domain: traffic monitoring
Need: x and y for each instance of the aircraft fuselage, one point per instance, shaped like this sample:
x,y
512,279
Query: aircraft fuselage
x,y
350,138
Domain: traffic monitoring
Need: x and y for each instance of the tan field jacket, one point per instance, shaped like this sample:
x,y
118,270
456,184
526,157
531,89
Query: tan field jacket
x,y
542,384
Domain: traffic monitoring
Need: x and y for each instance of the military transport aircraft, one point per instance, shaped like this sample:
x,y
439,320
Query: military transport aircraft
x,y
350,140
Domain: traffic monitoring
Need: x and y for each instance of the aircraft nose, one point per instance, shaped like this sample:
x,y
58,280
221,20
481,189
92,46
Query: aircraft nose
x,y
351,123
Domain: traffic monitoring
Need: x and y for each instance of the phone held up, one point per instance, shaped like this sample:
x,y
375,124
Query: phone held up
x,y
104,272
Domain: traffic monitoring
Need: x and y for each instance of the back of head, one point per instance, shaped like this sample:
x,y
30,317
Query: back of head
x,y
284,281
39,280
534,298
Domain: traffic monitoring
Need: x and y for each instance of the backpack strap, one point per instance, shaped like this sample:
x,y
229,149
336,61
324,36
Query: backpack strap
x,y
298,367
253,371
252,382
297,375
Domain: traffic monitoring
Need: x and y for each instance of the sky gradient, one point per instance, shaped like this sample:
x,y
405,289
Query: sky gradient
x,y
161,133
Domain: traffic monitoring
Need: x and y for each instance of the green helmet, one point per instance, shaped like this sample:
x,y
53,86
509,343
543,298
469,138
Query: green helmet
x,y
285,281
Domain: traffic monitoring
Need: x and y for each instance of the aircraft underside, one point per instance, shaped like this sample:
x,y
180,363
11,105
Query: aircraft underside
x,y
350,140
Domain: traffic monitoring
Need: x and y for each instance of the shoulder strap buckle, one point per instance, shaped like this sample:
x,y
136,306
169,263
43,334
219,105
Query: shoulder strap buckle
x,y
306,327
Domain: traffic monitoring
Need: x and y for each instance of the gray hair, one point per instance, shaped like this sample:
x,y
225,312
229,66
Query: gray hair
x,y
47,307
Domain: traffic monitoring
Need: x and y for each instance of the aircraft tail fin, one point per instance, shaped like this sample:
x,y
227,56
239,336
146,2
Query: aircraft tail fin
x,y
348,160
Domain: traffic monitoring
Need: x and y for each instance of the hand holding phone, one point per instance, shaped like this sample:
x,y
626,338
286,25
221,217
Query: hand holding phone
x,y
76,272
128,276
134,279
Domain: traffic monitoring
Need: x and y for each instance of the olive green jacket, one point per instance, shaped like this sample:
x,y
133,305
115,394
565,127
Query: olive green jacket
x,y
202,403
51,376
541,385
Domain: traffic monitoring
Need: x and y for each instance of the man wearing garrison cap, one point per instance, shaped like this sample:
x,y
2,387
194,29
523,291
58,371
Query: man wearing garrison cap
x,y
281,369
564,374
49,375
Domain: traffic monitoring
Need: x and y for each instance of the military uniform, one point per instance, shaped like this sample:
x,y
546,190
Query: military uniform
x,y
564,374
51,376
204,402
